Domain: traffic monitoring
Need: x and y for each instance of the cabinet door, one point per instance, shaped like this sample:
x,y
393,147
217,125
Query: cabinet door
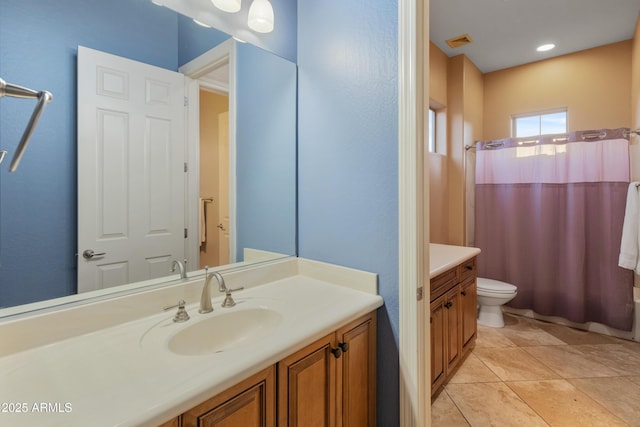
x,y
306,386
175,422
248,404
469,298
438,342
453,328
356,374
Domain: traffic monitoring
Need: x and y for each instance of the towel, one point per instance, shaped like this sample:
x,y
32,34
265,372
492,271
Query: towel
x,y
630,244
202,220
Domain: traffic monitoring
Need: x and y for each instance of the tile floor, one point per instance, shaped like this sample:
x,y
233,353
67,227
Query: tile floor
x,y
533,373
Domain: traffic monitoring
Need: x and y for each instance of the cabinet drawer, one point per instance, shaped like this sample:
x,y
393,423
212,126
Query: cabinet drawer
x,y
442,282
468,269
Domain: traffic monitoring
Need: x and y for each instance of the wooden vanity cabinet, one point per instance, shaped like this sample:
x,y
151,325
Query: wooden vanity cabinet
x,y
445,339
356,374
331,382
453,320
250,403
469,309
307,385
175,422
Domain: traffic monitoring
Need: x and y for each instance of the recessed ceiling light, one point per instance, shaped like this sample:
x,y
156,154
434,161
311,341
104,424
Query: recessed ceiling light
x,y
545,47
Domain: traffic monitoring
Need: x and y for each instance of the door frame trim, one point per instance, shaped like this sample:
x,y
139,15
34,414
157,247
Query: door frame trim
x,y
193,70
413,214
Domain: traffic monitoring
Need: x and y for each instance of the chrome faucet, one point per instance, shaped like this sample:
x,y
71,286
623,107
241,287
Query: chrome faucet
x,y
181,267
205,299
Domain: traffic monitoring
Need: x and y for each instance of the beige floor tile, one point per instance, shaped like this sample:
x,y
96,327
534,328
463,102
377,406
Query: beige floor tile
x,y
526,334
492,404
561,404
568,377
568,362
631,345
473,370
620,358
635,379
444,412
574,336
490,337
513,364
619,395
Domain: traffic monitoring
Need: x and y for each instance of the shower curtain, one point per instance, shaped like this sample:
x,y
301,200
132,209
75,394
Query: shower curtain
x,y
548,219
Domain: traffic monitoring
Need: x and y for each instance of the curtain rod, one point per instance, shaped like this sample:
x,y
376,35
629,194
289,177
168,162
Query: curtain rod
x,y
601,135
490,144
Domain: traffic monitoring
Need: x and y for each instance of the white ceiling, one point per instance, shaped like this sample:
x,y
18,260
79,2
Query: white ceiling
x,y
506,33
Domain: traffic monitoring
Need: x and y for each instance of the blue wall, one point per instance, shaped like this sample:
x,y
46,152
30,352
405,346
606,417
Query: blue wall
x,y
347,155
281,41
194,39
38,49
265,146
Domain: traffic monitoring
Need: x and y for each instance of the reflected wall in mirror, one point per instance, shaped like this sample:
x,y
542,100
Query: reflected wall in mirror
x,y
38,205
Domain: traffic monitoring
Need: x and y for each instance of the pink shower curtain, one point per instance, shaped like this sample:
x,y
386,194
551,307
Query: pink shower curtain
x,y
549,214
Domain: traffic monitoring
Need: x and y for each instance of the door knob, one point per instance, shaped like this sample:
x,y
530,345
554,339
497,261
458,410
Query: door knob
x,y
89,254
221,227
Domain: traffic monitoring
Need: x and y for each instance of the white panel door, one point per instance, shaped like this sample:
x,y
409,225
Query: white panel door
x,y
131,178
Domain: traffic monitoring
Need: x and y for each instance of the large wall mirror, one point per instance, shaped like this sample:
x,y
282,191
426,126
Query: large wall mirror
x,y
39,212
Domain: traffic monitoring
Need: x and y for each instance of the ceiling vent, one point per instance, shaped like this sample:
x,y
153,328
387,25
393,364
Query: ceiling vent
x,y
459,41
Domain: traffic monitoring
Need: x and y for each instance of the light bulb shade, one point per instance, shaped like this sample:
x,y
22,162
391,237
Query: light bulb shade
x,y
230,6
261,16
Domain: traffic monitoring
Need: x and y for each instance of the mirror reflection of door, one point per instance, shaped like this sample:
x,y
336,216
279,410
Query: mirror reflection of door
x,y
130,170
214,178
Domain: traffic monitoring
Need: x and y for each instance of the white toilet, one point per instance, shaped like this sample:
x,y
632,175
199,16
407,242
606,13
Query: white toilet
x,y
492,295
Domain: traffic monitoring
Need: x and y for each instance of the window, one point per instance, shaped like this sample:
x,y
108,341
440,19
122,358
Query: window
x,y
540,124
432,130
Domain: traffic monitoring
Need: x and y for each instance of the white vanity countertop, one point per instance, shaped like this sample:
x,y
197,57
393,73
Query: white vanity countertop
x,y
117,376
444,257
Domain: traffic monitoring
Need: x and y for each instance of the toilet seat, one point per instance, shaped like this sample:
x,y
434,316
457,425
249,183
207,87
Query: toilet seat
x,y
491,286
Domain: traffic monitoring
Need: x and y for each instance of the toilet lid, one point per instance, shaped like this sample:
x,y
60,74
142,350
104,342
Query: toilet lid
x,y
496,286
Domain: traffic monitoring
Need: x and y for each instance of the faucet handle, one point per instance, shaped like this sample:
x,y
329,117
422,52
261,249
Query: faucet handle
x,y
228,299
181,315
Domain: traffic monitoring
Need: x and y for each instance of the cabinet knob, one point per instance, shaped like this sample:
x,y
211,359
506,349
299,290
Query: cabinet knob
x,y
449,304
469,267
337,352
464,293
344,346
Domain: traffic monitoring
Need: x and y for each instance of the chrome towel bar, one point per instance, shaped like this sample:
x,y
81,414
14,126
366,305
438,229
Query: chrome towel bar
x,y
15,91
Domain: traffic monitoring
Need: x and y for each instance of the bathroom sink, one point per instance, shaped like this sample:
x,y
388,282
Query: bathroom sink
x,y
224,331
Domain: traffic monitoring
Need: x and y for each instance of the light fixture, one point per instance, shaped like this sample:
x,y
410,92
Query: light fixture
x,y
545,47
202,24
230,6
261,16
